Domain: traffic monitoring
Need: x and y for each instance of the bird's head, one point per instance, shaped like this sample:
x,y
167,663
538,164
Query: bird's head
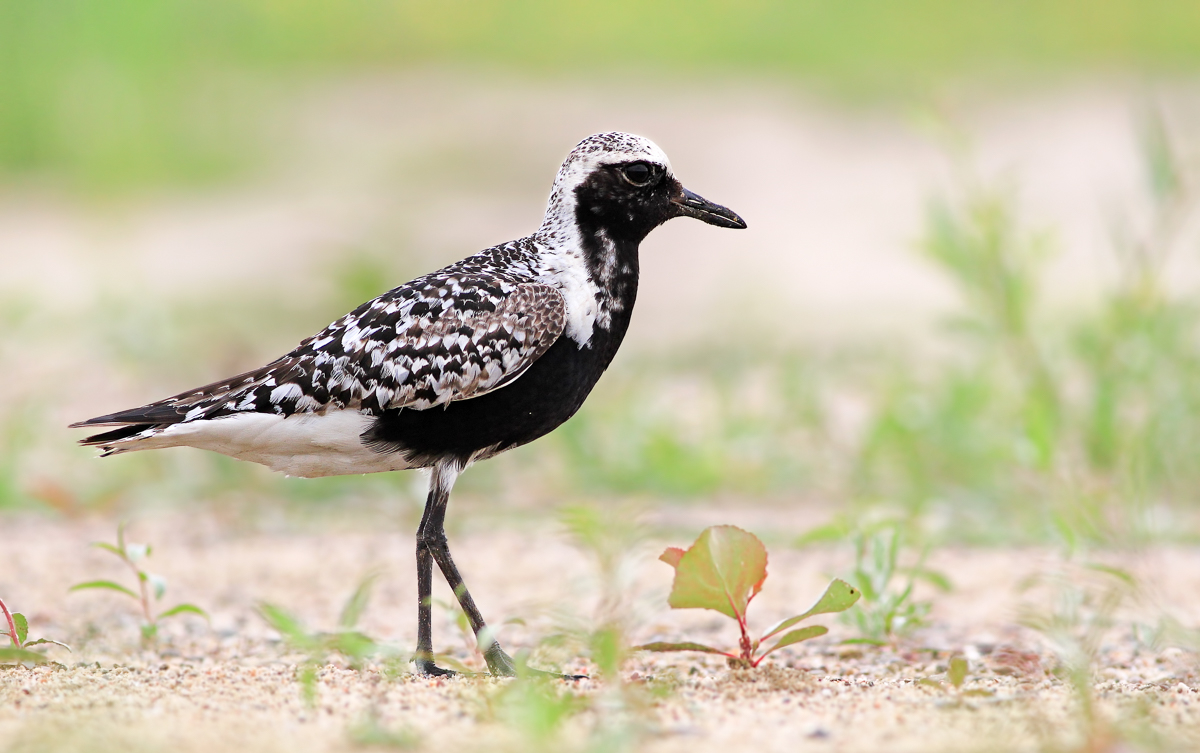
x,y
623,185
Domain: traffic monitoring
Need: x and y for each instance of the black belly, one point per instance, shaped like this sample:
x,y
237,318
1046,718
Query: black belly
x,y
541,399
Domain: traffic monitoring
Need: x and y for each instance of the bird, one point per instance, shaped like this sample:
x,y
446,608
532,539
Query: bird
x,y
451,368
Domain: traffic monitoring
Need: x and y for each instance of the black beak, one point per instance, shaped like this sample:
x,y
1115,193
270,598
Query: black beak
x,y
692,205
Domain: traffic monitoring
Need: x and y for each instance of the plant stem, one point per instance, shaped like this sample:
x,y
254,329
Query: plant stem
x,y
141,580
12,628
747,647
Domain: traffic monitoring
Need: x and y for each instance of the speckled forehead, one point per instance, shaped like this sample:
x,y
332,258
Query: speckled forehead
x,y
611,148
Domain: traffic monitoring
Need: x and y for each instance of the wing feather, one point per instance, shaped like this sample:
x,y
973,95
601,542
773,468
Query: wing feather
x,y
441,338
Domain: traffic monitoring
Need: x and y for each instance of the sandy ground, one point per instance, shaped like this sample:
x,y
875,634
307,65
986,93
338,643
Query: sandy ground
x,y
234,683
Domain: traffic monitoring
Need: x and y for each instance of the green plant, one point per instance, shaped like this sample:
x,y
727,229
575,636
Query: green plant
x,y
1076,616
18,633
887,611
370,732
956,676
537,708
148,584
346,641
724,570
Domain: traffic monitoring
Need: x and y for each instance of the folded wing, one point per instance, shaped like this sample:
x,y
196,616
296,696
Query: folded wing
x,y
441,338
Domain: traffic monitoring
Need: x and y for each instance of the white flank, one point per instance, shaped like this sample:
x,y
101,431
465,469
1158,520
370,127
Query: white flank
x,y
308,445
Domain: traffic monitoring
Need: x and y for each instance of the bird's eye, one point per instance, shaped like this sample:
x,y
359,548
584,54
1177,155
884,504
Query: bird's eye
x,y
639,173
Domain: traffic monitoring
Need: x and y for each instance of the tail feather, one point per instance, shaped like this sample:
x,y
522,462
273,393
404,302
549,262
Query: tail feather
x,y
156,413
116,435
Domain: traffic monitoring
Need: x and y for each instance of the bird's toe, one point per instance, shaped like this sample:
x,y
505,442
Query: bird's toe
x,y
426,668
500,664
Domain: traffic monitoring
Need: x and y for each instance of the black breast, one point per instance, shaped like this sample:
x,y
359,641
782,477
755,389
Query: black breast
x,y
552,389
545,396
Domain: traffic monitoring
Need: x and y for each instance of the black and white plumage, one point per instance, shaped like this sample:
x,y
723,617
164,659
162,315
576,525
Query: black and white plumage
x,y
456,366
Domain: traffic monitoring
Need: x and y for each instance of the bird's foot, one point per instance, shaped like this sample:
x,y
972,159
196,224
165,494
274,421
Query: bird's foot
x,y
501,664
427,668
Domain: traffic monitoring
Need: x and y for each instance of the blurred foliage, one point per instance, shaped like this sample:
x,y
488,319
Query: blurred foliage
x,y
1076,427
1093,418
134,92
1027,425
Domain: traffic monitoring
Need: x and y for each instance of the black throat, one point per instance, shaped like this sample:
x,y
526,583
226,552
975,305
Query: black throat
x,y
612,262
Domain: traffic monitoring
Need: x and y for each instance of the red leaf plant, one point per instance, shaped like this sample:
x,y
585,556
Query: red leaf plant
x,y
723,571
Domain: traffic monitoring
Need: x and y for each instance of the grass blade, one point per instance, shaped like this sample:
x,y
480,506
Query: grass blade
x,y
184,609
357,603
18,655
106,584
662,646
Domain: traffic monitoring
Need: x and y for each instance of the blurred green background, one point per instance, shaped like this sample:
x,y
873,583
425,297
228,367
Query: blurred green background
x,y
997,416
137,93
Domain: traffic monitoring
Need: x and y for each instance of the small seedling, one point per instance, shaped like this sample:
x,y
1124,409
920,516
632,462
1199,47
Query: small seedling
x,y
956,675
887,611
17,632
131,554
346,641
723,571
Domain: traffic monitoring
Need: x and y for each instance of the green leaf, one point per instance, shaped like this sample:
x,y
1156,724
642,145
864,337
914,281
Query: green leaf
x,y
352,644
41,641
17,655
108,548
958,671
22,626
306,675
838,597
803,634
103,584
184,609
357,603
287,626
933,578
660,646
671,555
722,571
1122,575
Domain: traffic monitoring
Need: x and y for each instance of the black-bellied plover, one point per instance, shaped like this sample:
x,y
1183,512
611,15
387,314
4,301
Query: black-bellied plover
x,y
454,367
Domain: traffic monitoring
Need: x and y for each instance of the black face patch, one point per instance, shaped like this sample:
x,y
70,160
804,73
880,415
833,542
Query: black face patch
x,y
626,200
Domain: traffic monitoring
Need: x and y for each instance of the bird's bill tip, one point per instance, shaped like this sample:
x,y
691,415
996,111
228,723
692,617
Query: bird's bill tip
x,y
691,204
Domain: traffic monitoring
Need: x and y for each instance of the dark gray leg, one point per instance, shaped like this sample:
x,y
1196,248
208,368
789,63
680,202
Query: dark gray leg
x,y
424,656
433,547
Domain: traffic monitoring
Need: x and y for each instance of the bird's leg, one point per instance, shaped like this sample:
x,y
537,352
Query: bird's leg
x,y
424,655
432,544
